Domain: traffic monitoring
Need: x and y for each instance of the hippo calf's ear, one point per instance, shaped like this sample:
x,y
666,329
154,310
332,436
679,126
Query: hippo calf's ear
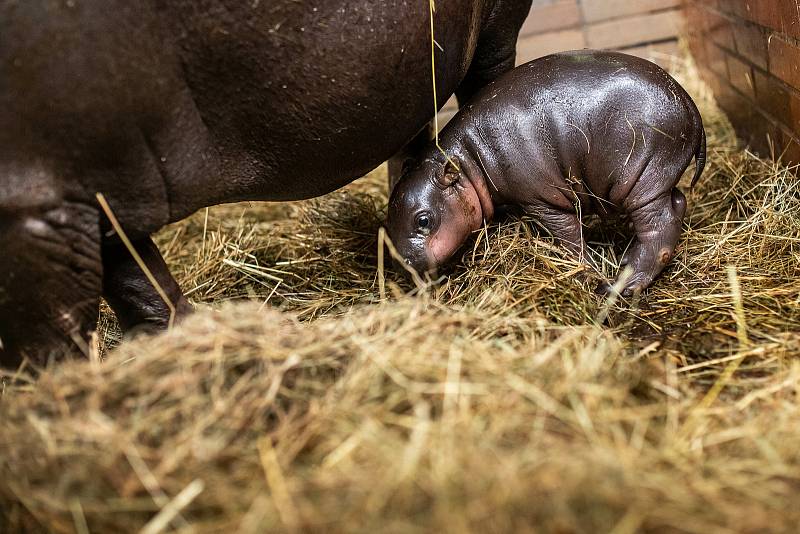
x,y
451,173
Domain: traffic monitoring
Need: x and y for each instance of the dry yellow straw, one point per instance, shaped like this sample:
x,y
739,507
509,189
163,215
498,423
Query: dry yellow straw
x,y
279,490
432,6
139,261
741,334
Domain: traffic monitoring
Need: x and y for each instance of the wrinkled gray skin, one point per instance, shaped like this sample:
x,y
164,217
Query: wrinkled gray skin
x,y
166,107
562,137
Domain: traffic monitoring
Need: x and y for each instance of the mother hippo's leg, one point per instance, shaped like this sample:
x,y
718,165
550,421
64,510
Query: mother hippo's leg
x,y
494,55
658,228
50,278
408,153
496,50
130,293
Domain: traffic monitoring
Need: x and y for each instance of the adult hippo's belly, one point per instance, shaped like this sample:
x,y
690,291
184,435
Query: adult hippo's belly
x,y
168,107
320,95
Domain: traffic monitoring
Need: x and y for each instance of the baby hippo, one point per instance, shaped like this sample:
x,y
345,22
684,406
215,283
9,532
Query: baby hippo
x,y
564,136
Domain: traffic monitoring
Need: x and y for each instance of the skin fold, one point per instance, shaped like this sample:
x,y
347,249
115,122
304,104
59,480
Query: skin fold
x,y
562,137
166,107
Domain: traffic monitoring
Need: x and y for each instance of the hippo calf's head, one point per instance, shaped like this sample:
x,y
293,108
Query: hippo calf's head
x,y
432,211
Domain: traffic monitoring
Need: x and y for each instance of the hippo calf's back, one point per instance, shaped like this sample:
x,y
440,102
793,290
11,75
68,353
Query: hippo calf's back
x,y
598,118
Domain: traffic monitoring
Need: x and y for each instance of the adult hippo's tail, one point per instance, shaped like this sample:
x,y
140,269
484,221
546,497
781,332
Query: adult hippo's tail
x,y
700,156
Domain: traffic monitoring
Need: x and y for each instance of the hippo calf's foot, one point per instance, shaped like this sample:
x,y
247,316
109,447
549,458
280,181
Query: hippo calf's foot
x,y
566,228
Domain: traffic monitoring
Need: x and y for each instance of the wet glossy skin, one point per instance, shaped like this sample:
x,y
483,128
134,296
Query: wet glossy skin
x,y
562,137
168,107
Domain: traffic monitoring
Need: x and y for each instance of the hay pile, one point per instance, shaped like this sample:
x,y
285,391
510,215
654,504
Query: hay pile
x,y
510,397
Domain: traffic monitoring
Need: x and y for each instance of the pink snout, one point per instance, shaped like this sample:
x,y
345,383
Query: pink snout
x,y
435,254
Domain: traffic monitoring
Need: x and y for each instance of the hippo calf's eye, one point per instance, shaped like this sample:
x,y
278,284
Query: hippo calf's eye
x,y
424,222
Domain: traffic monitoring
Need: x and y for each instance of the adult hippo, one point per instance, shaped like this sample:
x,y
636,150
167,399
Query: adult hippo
x,y
166,107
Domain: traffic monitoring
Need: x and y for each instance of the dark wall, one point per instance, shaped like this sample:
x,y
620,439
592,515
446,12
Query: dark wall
x,y
749,52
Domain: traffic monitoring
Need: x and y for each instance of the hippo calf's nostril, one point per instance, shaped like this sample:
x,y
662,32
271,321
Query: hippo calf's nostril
x,y
604,288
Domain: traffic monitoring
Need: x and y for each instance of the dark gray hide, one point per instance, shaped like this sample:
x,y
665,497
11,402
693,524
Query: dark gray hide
x,y
169,106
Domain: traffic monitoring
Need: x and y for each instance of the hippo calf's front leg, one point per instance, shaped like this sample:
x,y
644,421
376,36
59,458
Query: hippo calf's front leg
x,y
564,226
132,296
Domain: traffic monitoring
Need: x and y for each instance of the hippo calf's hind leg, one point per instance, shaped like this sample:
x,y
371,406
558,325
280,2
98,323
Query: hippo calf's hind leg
x,y
658,229
132,296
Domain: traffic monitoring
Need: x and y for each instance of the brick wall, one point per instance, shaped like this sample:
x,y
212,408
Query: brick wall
x,y
749,52
638,27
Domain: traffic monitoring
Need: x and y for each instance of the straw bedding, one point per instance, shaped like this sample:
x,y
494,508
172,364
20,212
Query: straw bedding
x,y
508,397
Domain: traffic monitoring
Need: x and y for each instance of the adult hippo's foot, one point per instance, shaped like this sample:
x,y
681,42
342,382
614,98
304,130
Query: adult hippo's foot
x,y
50,277
137,303
52,273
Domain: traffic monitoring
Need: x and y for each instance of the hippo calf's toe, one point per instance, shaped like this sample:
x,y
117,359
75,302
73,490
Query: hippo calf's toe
x,y
564,136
